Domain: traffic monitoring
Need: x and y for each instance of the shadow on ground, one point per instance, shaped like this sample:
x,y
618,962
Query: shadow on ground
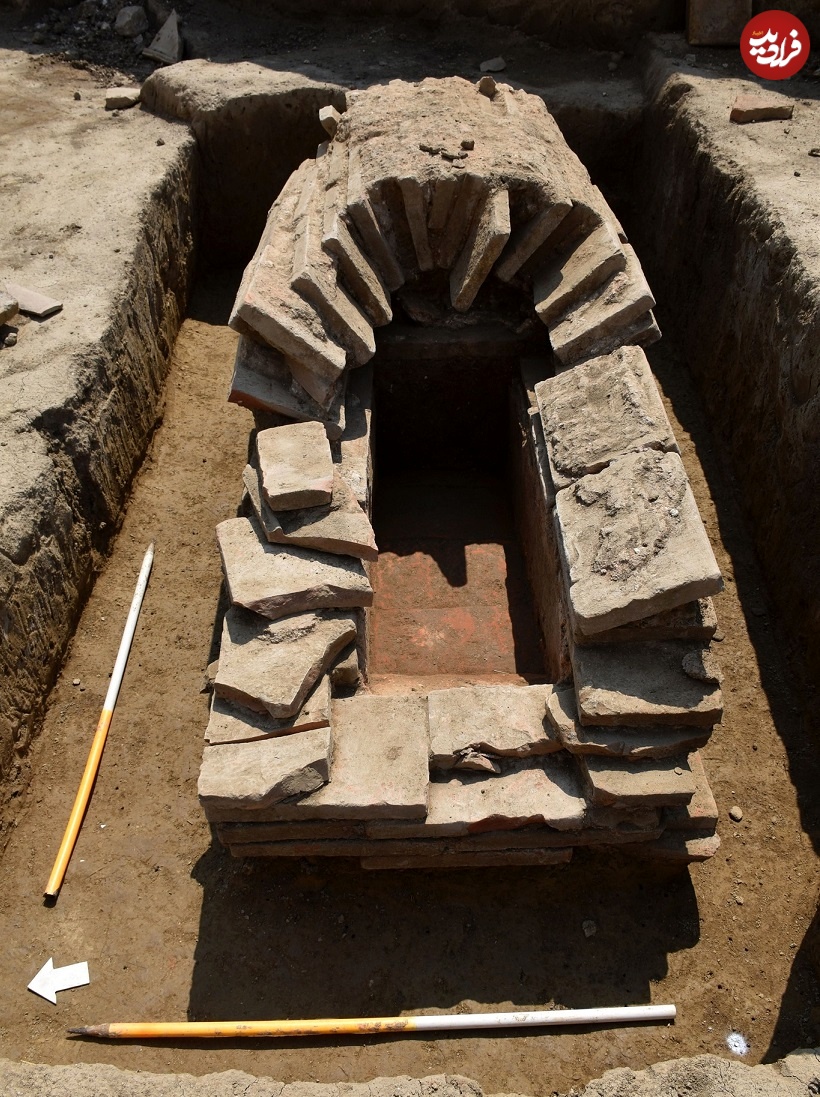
x,y
298,939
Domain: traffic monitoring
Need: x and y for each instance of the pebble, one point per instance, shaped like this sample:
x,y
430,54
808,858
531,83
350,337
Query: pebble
x,y
10,340
735,813
495,64
814,152
160,141
589,927
75,682
77,95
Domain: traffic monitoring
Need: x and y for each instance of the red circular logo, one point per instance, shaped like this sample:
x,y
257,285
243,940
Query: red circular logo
x,y
775,45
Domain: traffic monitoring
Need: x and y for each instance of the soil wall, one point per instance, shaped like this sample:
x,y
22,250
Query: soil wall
x,y
727,239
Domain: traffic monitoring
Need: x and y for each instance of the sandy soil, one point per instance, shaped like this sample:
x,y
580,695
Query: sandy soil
x,y
173,928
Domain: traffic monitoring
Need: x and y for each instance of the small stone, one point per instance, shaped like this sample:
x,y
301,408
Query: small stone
x,y
814,152
468,143
121,98
495,64
329,119
472,760
589,927
77,95
131,21
166,46
735,813
739,900
487,86
10,340
691,58
75,682
160,141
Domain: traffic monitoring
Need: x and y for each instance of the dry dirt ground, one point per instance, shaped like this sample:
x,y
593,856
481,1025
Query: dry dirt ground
x,y
173,928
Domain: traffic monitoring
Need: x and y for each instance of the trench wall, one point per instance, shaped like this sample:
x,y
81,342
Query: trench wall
x,y
70,465
731,245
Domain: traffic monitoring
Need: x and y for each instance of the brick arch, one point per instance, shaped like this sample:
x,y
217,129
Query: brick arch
x,y
476,182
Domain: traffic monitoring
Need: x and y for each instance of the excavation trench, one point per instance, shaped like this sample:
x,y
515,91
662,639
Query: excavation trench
x,y
301,939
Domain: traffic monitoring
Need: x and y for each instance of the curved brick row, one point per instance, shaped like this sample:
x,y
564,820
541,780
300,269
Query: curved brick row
x,y
418,178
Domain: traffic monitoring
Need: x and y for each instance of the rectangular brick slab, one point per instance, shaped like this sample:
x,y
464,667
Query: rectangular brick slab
x,y
617,742
275,580
617,393
655,782
633,542
272,665
642,684
263,381
264,772
233,723
295,466
546,791
380,761
507,721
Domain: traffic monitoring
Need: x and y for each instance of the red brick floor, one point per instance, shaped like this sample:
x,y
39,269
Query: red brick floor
x,y
451,592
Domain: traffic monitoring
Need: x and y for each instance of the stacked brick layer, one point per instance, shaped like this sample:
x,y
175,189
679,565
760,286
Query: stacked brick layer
x,y
476,183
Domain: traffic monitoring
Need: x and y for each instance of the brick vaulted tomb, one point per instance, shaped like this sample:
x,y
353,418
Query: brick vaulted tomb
x,y
470,612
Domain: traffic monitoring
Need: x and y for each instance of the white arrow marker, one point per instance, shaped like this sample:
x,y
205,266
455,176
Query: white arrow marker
x,y
49,979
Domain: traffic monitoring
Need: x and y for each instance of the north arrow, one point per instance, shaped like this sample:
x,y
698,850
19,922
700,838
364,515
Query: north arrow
x,y
49,979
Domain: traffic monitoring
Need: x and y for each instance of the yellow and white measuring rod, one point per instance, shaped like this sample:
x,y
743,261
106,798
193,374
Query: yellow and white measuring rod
x,y
370,1026
75,820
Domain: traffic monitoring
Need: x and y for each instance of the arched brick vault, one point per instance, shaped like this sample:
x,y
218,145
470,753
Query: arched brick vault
x,y
452,198
476,181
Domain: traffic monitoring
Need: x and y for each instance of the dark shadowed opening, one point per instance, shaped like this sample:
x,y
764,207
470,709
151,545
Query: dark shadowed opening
x,y
451,590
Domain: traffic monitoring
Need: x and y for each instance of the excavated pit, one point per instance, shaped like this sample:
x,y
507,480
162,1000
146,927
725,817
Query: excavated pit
x,y
452,597
211,993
